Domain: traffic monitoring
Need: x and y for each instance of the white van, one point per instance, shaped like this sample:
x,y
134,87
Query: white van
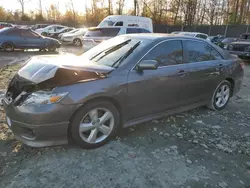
x,y
127,21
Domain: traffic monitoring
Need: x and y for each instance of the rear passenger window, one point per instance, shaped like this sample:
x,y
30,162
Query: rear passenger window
x,y
200,51
133,30
14,33
166,53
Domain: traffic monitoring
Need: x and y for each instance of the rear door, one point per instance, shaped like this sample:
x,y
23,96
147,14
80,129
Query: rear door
x,y
14,36
205,69
32,40
154,91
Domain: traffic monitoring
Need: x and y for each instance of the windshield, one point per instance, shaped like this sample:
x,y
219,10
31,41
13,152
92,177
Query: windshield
x,y
106,23
111,51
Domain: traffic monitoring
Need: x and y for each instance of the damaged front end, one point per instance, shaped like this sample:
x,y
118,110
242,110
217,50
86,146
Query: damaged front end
x,y
34,83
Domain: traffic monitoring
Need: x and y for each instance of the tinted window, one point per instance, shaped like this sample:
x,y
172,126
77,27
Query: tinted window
x,y
27,33
166,53
14,32
244,37
58,28
144,31
201,36
200,51
119,24
102,32
133,30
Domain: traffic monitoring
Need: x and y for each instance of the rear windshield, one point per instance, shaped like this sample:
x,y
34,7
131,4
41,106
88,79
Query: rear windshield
x,y
102,32
106,23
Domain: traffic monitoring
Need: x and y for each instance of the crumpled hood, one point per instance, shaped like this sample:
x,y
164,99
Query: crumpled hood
x,y
42,68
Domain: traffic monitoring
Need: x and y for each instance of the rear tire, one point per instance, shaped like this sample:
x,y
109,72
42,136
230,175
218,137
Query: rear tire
x,y
8,47
221,96
90,120
52,48
77,42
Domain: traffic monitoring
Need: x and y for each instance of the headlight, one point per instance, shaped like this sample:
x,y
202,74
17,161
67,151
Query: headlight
x,y
226,46
43,97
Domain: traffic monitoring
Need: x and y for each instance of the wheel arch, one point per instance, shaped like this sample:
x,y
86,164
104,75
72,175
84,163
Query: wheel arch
x,y
231,80
99,98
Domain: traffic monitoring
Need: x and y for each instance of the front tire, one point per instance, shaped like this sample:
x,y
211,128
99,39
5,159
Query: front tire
x,y
77,42
52,48
94,124
44,34
221,96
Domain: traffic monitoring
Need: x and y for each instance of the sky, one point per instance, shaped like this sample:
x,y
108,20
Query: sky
x,y
33,5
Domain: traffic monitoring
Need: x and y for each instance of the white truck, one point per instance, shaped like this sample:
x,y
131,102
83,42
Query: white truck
x,y
127,21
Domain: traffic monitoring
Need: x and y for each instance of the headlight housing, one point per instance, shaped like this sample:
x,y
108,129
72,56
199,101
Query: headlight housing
x,y
43,97
247,49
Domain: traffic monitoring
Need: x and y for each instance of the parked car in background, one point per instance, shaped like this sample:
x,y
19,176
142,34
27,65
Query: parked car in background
x,y
70,32
195,34
96,35
124,81
241,47
64,30
216,39
4,24
16,38
225,42
176,32
39,26
74,38
127,21
49,29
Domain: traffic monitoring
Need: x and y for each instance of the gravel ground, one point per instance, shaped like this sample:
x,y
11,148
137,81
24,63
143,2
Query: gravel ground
x,y
199,148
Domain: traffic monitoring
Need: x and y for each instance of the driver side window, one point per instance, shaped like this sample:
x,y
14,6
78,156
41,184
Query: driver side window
x,y
166,53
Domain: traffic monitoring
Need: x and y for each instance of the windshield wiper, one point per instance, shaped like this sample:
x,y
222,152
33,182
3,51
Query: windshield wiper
x,y
119,61
111,49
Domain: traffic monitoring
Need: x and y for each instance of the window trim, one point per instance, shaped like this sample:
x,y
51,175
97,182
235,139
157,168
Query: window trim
x,y
134,67
185,52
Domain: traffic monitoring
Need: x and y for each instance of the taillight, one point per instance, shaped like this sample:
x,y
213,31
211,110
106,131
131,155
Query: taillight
x,y
242,64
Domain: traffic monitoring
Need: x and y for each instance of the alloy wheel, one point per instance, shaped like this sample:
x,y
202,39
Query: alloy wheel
x,y
222,96
96,125
8,47
77,42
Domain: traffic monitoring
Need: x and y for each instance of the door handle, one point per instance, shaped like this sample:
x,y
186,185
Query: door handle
x,y
181,73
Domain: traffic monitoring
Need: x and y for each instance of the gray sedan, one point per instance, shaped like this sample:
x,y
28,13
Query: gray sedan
x,y
121,82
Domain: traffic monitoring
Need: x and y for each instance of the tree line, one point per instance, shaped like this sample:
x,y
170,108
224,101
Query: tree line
x,y
170,12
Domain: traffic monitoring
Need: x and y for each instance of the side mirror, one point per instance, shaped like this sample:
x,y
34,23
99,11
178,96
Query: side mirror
x,y
147,65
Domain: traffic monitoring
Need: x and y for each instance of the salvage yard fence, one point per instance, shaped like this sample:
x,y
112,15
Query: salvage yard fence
x,y
225,30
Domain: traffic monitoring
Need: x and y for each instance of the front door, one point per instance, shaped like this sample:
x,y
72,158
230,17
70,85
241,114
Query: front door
x,y
153,91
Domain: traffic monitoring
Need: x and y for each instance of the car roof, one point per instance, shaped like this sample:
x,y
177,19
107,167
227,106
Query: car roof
x,y
161,36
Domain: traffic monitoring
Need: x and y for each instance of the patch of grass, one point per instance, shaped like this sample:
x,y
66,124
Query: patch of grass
x,y
7,73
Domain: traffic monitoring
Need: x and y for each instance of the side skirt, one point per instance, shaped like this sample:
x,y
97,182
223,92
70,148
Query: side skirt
x,y
162,114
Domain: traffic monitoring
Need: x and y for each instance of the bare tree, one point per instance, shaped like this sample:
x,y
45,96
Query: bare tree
x,y
22,3
40,7
120,4
72,7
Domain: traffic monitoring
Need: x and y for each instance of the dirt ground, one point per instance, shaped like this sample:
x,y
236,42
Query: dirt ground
x,y
199,148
